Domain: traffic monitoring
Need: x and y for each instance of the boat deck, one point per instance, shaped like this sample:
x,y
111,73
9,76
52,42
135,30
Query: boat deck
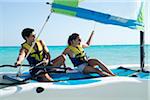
x,y
70,76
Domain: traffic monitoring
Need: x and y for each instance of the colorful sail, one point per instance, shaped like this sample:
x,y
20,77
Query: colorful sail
x,y
140,17
70,7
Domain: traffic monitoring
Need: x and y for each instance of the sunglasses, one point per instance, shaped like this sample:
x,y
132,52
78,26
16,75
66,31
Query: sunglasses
x,y
79,39
33,35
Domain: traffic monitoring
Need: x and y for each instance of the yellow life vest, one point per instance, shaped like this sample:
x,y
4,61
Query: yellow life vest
x,y
78,51
36,54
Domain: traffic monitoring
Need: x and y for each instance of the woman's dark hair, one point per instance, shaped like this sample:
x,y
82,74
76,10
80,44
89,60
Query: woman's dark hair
x,y
26,32
72,37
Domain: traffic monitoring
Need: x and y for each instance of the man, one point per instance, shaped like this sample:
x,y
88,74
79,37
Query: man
x,y
39,55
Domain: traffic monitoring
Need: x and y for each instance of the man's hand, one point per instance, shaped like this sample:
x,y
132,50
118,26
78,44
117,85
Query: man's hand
x,y
45,62
17,64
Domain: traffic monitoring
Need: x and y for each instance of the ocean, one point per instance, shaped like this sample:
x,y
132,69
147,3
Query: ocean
x,y
108,54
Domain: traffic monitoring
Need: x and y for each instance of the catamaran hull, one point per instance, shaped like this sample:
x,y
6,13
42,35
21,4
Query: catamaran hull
x,y
103,88
111,88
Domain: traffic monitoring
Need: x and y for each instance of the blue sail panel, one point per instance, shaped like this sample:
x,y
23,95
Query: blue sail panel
x,y
100,17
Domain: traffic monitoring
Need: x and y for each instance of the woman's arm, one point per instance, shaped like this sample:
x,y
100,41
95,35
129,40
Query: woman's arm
x,y
68,52
89,41
65,52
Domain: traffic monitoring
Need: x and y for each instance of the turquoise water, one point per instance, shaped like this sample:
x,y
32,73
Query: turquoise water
x,y
109,54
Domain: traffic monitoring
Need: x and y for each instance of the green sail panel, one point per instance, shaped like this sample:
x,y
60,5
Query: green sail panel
x,y
65,12
70,3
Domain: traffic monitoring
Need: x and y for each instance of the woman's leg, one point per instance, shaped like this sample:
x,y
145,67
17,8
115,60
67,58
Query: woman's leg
x,y
90,69
95,62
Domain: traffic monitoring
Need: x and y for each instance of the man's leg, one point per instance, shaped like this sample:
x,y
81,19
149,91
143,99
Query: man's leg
x,y
44,78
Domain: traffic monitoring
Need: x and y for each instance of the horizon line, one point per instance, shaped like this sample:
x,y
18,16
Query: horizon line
x,y
90,45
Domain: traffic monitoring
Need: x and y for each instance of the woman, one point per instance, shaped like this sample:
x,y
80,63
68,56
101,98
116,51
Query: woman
x,y
75,51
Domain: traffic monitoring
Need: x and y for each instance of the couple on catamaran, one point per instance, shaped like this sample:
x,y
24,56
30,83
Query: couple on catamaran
x,y
40,55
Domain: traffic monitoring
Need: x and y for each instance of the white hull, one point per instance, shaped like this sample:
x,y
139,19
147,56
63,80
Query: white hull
x,y
109,88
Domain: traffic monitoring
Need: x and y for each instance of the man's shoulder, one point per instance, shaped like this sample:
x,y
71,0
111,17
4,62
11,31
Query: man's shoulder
x,y
42,42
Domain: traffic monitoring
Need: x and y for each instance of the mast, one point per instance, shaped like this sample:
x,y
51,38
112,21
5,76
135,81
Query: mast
x,y
142,53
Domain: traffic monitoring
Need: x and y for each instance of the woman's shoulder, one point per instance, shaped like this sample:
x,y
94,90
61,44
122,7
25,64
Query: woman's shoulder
x,y
67,48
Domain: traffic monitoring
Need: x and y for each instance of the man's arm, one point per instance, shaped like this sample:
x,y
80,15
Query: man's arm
x,y
20,57
46,50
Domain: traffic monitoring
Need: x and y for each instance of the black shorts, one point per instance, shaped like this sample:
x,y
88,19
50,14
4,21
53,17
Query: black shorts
x,y
37,71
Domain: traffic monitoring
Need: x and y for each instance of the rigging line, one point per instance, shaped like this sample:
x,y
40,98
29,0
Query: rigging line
x,y
94,27
19,71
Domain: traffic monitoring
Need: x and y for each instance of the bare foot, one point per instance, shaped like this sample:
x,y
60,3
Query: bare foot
x,y
104,75
113,75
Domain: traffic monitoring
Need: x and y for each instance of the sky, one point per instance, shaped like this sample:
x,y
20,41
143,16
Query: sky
x,y
15,15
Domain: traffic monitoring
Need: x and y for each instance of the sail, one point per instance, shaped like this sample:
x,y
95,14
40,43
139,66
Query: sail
x,y
140,17
71,8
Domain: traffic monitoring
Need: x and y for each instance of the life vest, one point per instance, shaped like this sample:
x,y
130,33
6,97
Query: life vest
x,y
35,56
80,55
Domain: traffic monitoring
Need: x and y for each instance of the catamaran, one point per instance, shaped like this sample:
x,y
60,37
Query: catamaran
x,y
131,82
75,85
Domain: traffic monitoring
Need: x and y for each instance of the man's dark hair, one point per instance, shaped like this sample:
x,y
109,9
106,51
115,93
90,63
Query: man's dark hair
x,y
26,32
72,37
